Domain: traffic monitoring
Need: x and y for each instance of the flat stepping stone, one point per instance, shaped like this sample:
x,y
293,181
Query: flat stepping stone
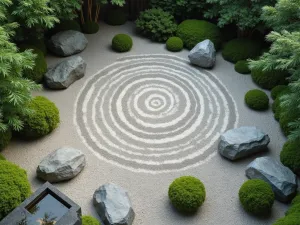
x,y
113,205
281,178
67,43
65,73
203,54
242,142
63,164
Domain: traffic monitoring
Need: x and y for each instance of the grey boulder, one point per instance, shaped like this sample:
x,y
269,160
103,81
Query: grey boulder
x,y
67,43
241,142
113,205
203,54
62,75
281,178
63,164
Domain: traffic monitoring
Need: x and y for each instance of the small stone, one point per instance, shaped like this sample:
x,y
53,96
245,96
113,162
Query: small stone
x,y
203,54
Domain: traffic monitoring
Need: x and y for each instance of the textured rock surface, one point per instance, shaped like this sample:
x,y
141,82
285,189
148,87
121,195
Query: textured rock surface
x,y
241,142
63,164
67,43
113,205
281,178
203,54
62,75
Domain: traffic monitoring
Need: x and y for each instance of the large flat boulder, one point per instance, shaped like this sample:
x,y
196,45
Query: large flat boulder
x,y
203,54
67,43
62,75
281,178
241,142
63,164
113,205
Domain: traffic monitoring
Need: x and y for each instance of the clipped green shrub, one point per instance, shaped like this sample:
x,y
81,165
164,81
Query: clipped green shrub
x,y
65,25
277,90
284,121
194,31
2,157
276,108
269,79
288,220
37,73
156,24
89,220
90,27
122,43
242,67
43,119
116,17
5,138
174,44
290,155
256,196
187,194
14,187
241,49
257,99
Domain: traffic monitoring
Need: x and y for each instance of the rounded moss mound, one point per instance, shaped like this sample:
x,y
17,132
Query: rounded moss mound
x,y
116,17
269,79
40,68
89,220
290,156
174,44
65,25
90,27
43,119
294,210
296,200
194,31
241,49
242,67
187,194
14,187
122,43
256,196
285,120
277,90
5,138
288,220
257,99
2,157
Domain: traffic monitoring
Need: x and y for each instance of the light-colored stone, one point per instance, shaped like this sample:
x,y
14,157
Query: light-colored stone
x,y
63,164
62,75
67,43
241,142
113,205
203,54
281,178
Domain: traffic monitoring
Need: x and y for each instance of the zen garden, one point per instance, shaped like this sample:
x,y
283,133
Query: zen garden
x,y
149,112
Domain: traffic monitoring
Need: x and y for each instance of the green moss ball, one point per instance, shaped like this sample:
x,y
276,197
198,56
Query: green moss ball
x,y
43,120
174,44
116,17
241,49
90,27
256,196
290,155
242,67
257,99
2,157
187,194
194,31
269,79
288,220
5,138
14,187
89,220
122,43
277,90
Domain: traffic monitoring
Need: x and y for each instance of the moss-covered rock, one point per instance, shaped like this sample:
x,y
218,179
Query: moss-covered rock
x,y
122,43
90,27
257,100
242,67
174,44
5,138
89,220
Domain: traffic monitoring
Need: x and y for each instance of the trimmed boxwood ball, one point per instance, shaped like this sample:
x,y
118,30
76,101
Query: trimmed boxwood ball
x,y
257,99
256,196
122,43
277,90
174,44
116,17
14,187
242,67
194,31
290,155
2,157
241,49
288,220
90,27
187,194
43,119
89,220
269,79
5,138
